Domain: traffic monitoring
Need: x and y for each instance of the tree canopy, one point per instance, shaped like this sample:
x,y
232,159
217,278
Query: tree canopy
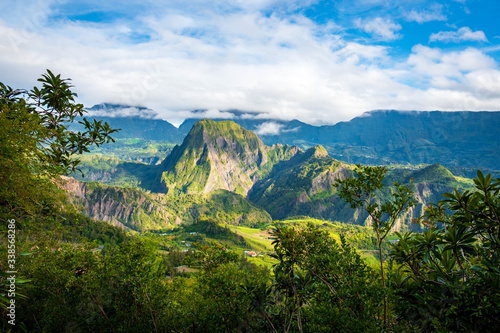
x,y
36,143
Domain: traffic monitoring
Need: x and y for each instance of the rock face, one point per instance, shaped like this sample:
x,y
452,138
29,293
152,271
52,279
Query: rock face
x,y
74,187
134,209
219,155
123,207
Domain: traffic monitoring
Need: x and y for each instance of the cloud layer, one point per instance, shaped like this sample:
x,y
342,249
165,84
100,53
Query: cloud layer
x,y
382,28
268,56
462,34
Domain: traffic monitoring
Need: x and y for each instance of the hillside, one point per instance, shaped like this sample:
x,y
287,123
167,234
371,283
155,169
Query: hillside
x,y
137,210
300,185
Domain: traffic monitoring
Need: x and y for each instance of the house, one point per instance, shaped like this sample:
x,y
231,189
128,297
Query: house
x,y
251,253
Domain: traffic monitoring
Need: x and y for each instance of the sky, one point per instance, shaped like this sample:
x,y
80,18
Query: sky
x,y
320,62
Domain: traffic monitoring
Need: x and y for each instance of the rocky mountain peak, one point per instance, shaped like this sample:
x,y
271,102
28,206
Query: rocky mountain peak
x,y
216,155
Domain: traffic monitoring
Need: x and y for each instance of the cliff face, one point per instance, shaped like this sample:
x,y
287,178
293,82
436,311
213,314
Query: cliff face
x,y
140,211
124,207
219,155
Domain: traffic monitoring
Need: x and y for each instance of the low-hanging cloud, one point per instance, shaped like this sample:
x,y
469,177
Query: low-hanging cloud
x,y
225,55
115,111
268,128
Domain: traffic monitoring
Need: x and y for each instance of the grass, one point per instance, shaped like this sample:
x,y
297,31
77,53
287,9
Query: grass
x,y
258,239
370,257
254,237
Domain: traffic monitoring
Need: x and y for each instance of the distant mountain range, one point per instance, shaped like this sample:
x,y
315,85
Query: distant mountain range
x,y
224,171
453,139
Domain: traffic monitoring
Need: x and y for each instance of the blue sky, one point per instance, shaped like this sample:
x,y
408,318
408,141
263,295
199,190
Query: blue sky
x,y
317,61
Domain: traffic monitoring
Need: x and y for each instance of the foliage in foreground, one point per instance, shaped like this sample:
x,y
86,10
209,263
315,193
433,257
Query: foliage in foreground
x,y
443,280
449,275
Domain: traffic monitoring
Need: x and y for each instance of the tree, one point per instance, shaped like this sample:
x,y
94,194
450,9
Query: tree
x,y
36,146
449,277
324,285
360,192
230,299
36,143
208,258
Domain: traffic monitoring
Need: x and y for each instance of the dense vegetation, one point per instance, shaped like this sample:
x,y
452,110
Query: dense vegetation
x,y
78,275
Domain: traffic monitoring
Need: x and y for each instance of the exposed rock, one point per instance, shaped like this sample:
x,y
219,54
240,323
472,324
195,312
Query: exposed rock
x,y
219,155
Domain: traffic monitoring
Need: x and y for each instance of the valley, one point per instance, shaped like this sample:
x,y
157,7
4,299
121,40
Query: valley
x,y
225,173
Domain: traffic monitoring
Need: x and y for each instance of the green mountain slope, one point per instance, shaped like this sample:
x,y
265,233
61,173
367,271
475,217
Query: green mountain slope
x,y
114,171
219,155
300,185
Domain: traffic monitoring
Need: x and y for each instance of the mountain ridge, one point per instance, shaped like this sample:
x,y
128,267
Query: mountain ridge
x,y
454,139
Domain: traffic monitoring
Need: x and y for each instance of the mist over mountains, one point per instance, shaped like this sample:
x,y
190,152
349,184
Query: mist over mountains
x,y
453,139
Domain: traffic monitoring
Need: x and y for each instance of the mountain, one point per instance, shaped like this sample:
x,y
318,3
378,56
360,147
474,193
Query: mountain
x,y
223,171
466,139
454,139
303,186
300,185
219,155
133,122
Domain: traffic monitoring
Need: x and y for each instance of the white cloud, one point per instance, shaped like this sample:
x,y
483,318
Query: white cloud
x,y
268,128
433,13
433,62
464,80
461,35
384,29
227,57
485,84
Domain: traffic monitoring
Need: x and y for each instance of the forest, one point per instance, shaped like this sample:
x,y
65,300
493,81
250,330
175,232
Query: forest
x,y
61,271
